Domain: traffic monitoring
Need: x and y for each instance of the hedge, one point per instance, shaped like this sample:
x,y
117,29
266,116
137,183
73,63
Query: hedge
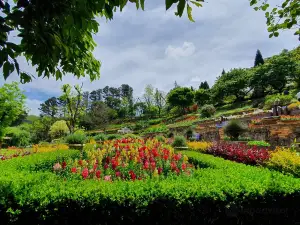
x,y
218,192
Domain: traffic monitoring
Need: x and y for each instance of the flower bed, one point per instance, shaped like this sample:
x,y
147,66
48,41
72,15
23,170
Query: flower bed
x,y
251,155
199,146
290,118
125,159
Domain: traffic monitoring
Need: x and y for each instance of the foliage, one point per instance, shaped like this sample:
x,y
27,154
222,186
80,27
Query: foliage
x,y
155,121
40,129
202,96
179,141
160,138
240,153
207,111
12,103
76,138
282,100
199,146
50,107
131,136
293,106
157,129
148,159
59,129
100,137
281,17
234,129
285,160
20,137
204,85
181,97
290,118
49,148
113,136
182,124
141,125
259,143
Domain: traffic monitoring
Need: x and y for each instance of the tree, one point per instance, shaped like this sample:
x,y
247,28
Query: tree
x,y
235,82
202,96
49,107
74,106
56,36
149,95
98,118
223,72
59,129
40,129
204,85
258,59
159,100
21,119
181,97
281,17
12,105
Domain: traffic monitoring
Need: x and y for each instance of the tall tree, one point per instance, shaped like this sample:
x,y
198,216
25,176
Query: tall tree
x,y
223,72
74,107
202,96
181,97
159,100
258,59
204,85
12,105
50,107
149,95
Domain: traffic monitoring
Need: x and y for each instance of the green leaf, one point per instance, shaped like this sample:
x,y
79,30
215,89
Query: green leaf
x,y
271,35
58,75
169,4
276,34
25,78
6,68
189,12
252,2
122,4
142,4
180,7
264,7
17,66
196,4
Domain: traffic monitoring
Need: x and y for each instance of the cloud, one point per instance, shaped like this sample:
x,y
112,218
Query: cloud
x,y
156,47
186,50
33,105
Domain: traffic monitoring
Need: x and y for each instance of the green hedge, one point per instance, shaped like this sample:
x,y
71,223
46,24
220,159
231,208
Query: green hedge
x,y
215,192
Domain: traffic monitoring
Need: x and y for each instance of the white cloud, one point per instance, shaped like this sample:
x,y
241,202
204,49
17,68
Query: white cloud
x,y
186,50
33,105
196,79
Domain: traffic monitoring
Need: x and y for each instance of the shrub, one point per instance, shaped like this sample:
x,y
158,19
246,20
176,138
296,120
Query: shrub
x,y
207,111
100,137
282,100
199,146
44,143
113,136
234,129
160,138
140,125
59,129
179,141
133,136
259,143
240,153
158,129
285,160
20,137
76,138
293,106
155,121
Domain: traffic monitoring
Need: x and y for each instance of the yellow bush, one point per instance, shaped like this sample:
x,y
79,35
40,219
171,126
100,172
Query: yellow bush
x,y
295,105
50,148
285,160
199,146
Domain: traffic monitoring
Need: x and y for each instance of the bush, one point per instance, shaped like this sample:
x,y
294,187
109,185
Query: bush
x,y
113,136
179,141
285,160
76,138
133,136
155,121
141,125
234,129
100,137
59,129
294,106
160,138
20,137
258,143
283,100
30,192
199,146
207,111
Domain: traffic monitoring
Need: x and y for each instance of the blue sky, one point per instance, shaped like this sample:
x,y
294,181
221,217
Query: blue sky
x,y
156,47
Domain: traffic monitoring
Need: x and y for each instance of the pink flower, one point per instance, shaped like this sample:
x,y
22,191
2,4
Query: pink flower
x,y
118,174
95,166
146,165
107,178
98,173
183,166
56,167
85,173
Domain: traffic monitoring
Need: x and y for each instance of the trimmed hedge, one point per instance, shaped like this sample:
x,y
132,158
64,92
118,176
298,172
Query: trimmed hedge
x,y
220,192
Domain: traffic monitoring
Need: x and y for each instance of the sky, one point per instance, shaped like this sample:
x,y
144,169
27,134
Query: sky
x,y
156,47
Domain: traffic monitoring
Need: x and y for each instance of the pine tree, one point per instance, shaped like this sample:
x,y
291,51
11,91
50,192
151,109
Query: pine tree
x,y
204,85
223,72
258,59
176,85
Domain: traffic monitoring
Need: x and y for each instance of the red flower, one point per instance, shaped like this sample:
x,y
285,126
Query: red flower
x,y
183,166
159,170
114,164
132,175
95,166
98,173
105,166
74,170
153,165
154,152
85,173
118,174
146,165
64,165
80,162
